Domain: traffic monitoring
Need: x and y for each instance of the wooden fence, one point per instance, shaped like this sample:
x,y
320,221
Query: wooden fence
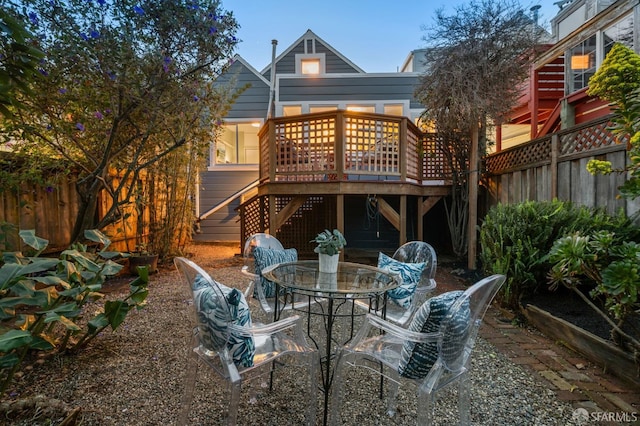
x,y
554,166
51,212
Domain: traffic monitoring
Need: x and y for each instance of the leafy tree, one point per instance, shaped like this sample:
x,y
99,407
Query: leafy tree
x,y
618,81
125,84
476,60
18,60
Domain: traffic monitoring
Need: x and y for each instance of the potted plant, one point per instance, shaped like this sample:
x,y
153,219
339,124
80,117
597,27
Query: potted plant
x,y
328,249
142,257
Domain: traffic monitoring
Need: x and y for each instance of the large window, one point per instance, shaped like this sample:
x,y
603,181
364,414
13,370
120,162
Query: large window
x,y
621,32
583,63
238,144
588,55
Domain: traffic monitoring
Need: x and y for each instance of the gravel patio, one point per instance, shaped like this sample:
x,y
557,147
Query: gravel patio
x,y
134,376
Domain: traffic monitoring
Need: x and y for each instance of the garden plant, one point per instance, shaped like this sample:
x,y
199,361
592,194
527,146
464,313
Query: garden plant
x,y
55,305
515,240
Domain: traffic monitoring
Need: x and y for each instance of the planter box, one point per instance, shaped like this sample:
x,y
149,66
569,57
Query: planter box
x,y
592,347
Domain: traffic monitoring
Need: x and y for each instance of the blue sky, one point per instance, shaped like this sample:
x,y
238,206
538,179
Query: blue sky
x,y
375,37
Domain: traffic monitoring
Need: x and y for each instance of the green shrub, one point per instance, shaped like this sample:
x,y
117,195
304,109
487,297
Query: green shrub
x,y
515,240
43,301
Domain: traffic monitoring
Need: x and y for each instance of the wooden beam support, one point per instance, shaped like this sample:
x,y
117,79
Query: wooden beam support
x,y
389,213
289,210
428,203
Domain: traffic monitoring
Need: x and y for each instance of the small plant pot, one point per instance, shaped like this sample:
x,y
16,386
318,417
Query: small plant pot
x,y
328,264
150,260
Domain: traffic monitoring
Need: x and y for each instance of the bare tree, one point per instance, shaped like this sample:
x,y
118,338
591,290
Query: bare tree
x,y
476,61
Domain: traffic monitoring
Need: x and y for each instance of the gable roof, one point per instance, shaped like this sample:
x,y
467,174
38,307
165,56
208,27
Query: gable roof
x,y
311,35
238,58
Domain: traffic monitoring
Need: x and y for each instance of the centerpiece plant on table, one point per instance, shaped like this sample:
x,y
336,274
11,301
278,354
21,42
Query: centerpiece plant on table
x,y
329,245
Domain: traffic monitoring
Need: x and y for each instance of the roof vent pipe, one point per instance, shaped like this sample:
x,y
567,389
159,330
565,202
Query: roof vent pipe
x,y
534,13
272,92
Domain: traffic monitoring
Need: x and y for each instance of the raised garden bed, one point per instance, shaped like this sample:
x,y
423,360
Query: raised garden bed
x,y
563,316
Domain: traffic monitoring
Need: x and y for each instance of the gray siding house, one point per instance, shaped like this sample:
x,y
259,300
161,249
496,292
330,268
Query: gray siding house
x,y
310,76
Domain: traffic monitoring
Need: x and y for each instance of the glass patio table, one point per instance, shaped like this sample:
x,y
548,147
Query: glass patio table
x,y
338,290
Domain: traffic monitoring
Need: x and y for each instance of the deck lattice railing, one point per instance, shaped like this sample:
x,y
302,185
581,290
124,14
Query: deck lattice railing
x,y
346,146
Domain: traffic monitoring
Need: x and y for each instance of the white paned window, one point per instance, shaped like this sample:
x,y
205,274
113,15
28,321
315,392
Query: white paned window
x,y
238,144
582,63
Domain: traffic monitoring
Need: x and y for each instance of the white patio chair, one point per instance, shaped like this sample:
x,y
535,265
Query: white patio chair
x,y
431,354
271,252
413,252
225,339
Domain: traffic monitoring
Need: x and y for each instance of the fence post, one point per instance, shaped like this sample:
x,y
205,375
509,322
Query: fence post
x,y
554,165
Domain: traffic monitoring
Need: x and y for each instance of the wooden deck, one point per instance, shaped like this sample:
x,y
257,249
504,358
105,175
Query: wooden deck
x,y
320,158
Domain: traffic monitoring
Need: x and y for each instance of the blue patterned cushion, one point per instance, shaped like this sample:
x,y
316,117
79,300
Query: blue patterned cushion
x,y
410,274
213,315
418,358
266,257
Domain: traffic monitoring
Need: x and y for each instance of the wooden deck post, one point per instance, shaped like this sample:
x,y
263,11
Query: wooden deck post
x,y
338,145
403,220
419,227
340,218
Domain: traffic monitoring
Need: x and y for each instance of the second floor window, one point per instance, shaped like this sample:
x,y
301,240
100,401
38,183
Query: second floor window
x,y
582,63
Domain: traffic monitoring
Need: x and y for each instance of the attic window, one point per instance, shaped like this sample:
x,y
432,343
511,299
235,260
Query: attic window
x,y
310,66
310,63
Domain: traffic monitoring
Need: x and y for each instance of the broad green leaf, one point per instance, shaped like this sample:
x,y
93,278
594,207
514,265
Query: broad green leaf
x,y
68,309
9,360
42,344
110,254
23,288
97,322
52,280
68,324
139,296
116,311
39,264
97,236
81,259
38,299
8,273
111,268
13,339
29,237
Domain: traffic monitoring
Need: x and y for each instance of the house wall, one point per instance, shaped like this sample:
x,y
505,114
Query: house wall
x,y
215,187
252,102
342,90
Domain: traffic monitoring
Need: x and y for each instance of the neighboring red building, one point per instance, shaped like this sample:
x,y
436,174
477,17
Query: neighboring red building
x,y
555,96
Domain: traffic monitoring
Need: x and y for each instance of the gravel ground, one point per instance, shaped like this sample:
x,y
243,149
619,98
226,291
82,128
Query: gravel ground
x,y
134,377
